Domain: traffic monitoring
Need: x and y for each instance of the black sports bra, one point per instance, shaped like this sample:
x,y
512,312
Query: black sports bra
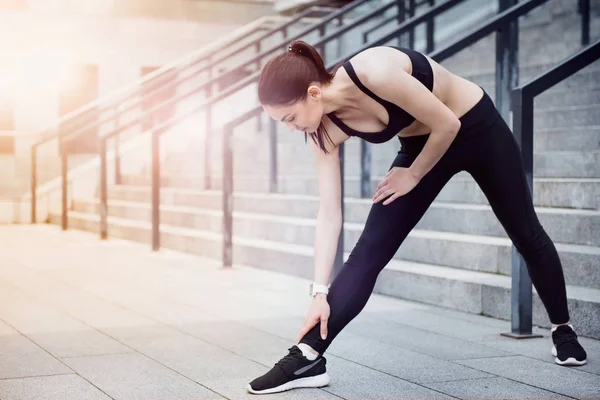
x,y
398,118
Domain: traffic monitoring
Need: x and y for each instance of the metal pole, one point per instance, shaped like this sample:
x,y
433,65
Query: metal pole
x,y
64,183
33,183
259,122
339,254
117,149
155,190
430,28
411,33
272,156
207,138
321,47
521,291
227,197
103,192
207,155
584,6
365,169
507,62
401,17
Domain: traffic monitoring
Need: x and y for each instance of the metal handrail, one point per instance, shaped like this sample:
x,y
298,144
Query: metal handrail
x,y
337,14
253,60
158,78
523,107
113,96
411,9
523,96
157,129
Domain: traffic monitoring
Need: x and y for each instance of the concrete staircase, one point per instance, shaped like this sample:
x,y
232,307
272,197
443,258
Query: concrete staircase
x,y
458,256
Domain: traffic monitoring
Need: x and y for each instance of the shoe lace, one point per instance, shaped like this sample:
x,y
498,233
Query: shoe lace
x,y
562,338
293,354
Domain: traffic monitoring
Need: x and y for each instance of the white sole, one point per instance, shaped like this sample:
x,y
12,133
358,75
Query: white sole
x,y
310,382
568,361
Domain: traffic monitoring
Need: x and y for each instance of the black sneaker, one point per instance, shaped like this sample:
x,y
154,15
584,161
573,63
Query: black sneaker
x,y
292,371
567,349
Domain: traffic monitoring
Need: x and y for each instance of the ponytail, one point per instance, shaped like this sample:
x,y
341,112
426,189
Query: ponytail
x,y
304,49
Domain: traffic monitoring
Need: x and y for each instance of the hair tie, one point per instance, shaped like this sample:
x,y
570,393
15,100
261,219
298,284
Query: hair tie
x,y
297,51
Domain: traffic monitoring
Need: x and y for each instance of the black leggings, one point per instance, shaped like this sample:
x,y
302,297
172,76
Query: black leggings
x,y
485,148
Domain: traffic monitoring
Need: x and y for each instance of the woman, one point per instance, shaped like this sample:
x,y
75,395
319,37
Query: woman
x,y
445,124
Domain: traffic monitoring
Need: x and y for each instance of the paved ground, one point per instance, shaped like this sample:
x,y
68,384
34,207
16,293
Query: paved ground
x,y
84,319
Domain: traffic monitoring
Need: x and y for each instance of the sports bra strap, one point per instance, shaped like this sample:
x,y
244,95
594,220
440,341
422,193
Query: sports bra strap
x,y
352,74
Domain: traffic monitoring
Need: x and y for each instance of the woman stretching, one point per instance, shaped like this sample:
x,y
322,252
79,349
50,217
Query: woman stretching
x,y
445,125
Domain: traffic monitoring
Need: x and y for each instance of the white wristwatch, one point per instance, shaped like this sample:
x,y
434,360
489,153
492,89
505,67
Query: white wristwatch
x,y
316,288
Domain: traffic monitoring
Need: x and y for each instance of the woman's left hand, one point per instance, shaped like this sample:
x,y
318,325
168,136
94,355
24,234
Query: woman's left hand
x,y
397,182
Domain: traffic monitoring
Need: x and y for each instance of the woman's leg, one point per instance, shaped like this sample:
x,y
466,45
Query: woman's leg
x,y
500,174
385,229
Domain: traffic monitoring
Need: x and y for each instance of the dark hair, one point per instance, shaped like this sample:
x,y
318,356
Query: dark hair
x,y
285,79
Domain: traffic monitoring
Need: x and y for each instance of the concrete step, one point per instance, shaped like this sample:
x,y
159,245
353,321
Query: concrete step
x,y
531,71
567,164
574,138
563,225
559,97
579,193
547,164
566,116
581,264
470,291
547,192
583,82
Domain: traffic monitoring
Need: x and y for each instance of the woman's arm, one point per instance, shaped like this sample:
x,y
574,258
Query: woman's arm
x,y
394,84
329,217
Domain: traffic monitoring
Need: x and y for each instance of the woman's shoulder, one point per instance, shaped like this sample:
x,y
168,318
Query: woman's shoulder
x,y
378,58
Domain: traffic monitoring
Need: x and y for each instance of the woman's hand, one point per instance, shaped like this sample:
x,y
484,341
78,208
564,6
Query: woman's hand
x,y
318,311
397,182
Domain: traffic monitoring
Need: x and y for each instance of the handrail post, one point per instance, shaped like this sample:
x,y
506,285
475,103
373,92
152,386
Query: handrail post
x,y
430,26
321,47
33,183
507,62
155,189
521,292
227,197
584,8
411,33
365,169
273,187
117,147
207,138
103,210
339,254
401,17
259,122
64,183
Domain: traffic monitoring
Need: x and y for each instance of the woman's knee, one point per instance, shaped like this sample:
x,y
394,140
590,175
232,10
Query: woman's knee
x,y
532,243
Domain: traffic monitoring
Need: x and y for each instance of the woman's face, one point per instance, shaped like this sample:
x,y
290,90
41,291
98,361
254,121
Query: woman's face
x,y
304,115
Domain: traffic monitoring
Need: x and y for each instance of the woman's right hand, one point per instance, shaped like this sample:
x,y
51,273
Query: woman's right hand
x,y
318,311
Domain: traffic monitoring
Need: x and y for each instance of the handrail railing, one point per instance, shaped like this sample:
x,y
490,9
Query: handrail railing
x,y
162,81
158,129
98,121
113,97
411,9
522,105
502,20
251,61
